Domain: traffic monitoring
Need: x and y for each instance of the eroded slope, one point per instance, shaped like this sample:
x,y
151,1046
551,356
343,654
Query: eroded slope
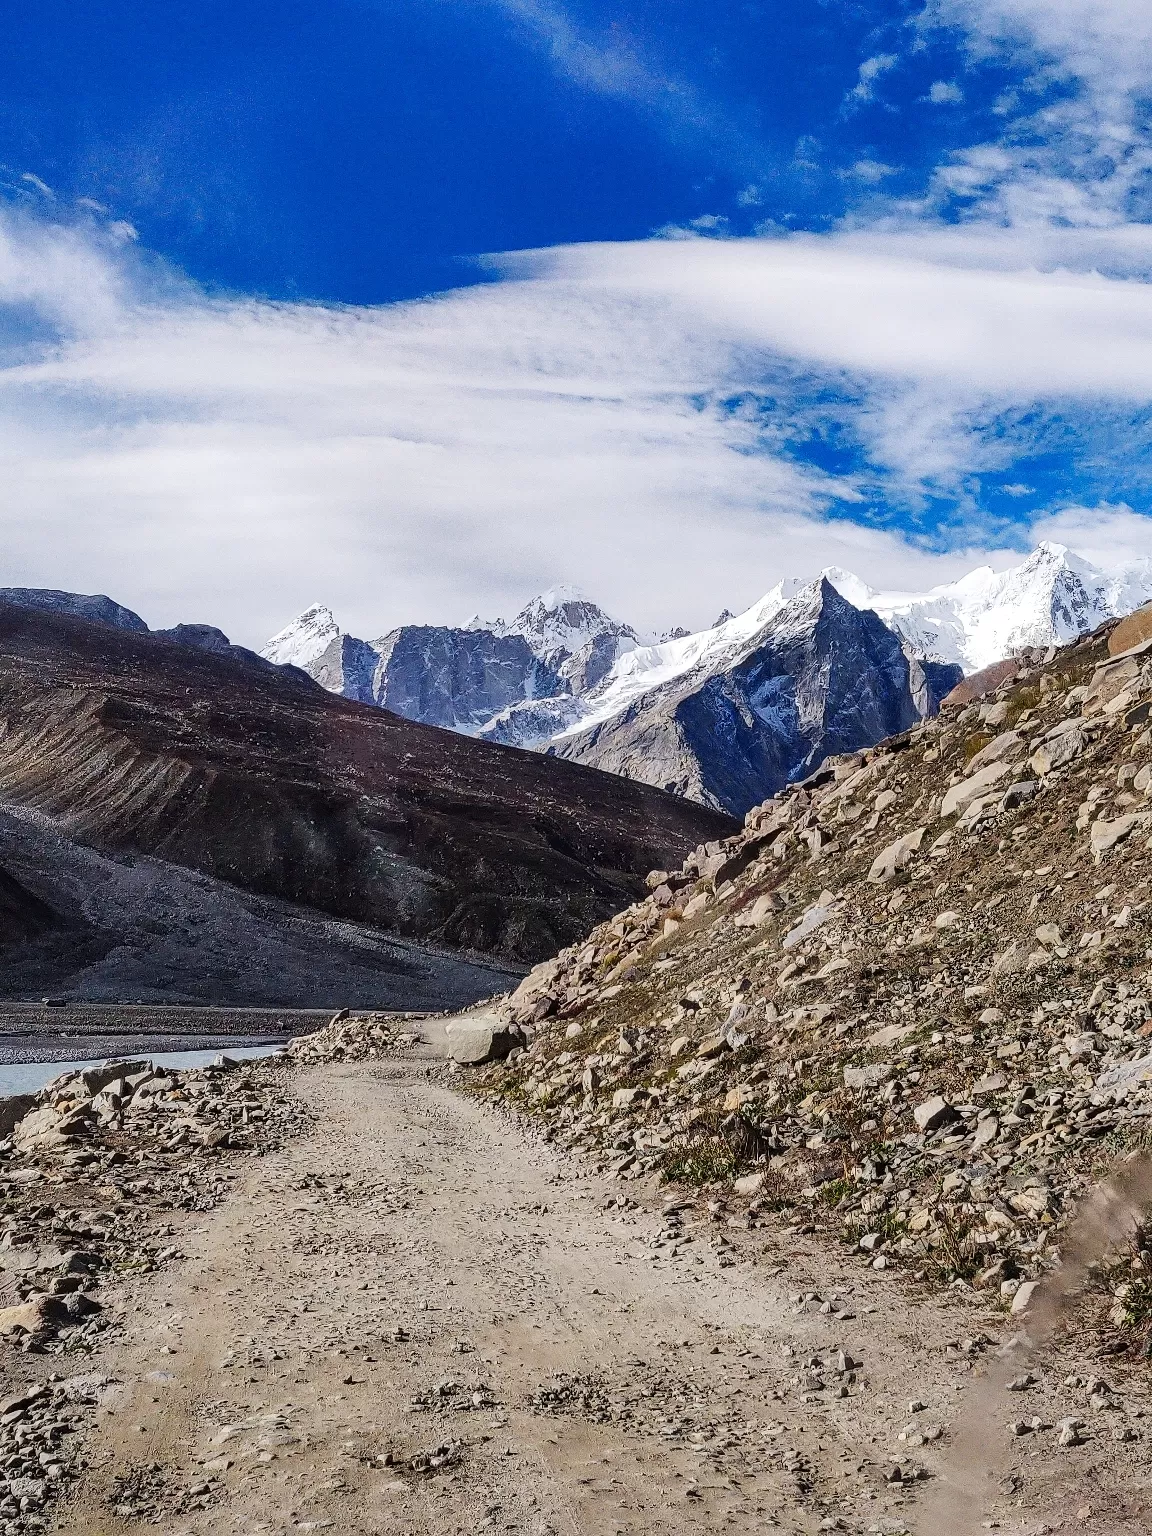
x,y
258,777
909,1003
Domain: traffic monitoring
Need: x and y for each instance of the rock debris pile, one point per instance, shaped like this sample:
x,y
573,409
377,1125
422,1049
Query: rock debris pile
x,y
910,1003
355,1037
93,1163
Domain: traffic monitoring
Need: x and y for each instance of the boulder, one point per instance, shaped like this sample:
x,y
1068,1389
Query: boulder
x,y
933,1113
1022,1300
1106,834
1006,745
971,788
471,1042
871,1076
13,1109
896,856
1059,749
35,1316
1132,631
88,1083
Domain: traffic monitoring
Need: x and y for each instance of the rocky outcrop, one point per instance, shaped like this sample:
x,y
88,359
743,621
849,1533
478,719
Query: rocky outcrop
x,y
96,609
821,677
259,778
347,666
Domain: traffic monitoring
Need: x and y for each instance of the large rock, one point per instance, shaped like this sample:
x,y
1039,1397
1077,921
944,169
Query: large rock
x,y
1132,631
36,1316
13,1109
474,1041
972,788
897,856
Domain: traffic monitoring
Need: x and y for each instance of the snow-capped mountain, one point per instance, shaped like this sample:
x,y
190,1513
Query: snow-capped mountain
x,y
560,643
564,676
729,723
1049,599
305,639
560,623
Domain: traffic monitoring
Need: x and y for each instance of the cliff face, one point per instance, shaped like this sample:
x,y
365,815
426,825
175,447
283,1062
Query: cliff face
x,y
457,678
820,677
260,778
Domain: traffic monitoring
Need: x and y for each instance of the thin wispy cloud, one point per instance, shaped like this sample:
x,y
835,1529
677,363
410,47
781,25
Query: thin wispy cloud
x,y
616,63
871,70
1075,147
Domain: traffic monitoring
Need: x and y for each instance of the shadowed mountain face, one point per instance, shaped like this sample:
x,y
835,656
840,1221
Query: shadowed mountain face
x,y
821,677
256,776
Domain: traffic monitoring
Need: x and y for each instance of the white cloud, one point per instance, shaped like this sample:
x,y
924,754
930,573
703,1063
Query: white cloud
x,y
870,71
871,172
1081,154
963,310
617,64
1107,43
945,93
236,460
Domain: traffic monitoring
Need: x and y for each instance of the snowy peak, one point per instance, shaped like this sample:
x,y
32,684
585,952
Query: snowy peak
x,y
561,622
1048,599
305,640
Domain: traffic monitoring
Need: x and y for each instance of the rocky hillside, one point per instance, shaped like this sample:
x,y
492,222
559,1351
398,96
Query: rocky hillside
x,y
909,1003
256,776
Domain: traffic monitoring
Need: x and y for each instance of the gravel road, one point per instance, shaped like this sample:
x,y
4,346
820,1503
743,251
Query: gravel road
x,y
417,1318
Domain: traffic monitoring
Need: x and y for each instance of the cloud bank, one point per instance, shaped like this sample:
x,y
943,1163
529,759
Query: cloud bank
x,y
636,418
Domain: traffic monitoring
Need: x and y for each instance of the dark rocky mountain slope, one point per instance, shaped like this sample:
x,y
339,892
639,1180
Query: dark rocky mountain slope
x,y
821,677
258,777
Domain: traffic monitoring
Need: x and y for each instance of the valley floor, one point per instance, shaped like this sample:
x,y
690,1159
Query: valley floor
x,y
415,1317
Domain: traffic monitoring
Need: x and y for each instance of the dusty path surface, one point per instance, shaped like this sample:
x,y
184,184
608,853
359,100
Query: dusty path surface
x,y
417,1318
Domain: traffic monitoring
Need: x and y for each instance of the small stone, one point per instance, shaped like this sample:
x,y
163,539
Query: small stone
x,y
933,1114
1023,1297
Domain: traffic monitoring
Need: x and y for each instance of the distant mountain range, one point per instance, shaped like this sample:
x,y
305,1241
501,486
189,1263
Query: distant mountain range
x,y
725,716
730,714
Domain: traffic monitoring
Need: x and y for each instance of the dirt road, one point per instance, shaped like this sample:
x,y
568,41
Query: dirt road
x,y
417,1318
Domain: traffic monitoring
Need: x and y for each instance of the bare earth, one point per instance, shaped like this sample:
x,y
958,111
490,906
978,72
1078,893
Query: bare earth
x,y
418,1318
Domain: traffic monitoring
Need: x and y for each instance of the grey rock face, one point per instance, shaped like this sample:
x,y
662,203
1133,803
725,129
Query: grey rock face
x,y
96,609
931,682
532,723
347,667
821,678
458,678
594,660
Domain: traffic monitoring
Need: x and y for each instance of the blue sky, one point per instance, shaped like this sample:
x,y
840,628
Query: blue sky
x,y
362,152
798,284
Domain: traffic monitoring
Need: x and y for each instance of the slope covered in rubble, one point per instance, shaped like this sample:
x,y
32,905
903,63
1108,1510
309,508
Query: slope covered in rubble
x,y
908,1004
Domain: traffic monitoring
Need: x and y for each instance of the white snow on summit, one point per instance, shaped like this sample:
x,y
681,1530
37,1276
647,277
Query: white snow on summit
x,y
305,639
1049,599
711,650
561,621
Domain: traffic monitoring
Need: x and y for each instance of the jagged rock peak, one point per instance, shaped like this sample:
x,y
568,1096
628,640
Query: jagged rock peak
x,y
562,621
304,640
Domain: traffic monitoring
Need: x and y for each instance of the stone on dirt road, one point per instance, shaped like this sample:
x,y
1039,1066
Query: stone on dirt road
x,y
472,1042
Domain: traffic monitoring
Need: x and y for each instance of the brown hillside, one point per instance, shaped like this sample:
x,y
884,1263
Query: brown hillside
x,y
257,776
